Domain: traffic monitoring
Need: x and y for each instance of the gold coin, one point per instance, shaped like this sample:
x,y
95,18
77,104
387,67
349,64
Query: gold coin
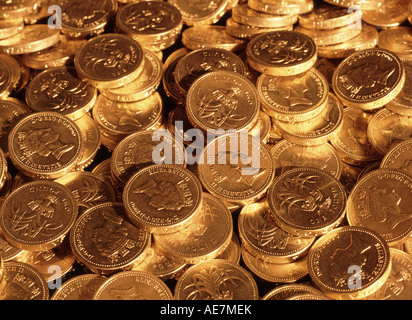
x,y
380,202
16,9
242,13
369,79
89,189
281,7
349,176
144,86
38,215
408,246
82,287
98,13
136,152
288,155
307,201
104,170
351,143
12,111
119,119
200,12
109,60
105,242
154,22
286,291
32,38
263,126
60,90
330,37
60,257
401,104
399,157
10,27
262,237
390,13
308,296
8,251
10,75
274,272
199,62
211,36
159,265
163,198
207,236
366,39
199,282
326,16
397,40
90,134
22,282
281,53
59,55
386,129
178,124
133,285
232,252
45,145
240,173
316,131
247,32
335,257
363,4
293,98
222,100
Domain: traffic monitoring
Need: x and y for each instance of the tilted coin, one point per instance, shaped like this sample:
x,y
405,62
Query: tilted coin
x,y
216,280
207,236
81,287
293,98
349,263
22,282
362,4
262,126
398,40
222,100
198,12
308,296
144,86
239,173
109,60
89,189
366,39
386,129
352,143
275,272
32,38
105,242
163,198
210,36
380,202
104,170
390,13
281,53
285,291
38,215
179,125
8,251
202,61
168,79
60,90
288,155
399,157
369,79
281,7
307,201
316,131
401,104
349,176
150,22
232,252
133,285
45,145
10,27
15,9
80,19
9,75
330,37
262,237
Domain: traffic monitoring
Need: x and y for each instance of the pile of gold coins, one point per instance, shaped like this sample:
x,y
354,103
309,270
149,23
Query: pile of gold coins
x,y
113,181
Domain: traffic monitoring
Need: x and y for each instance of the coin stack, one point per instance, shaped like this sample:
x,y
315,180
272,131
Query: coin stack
x,y
218,149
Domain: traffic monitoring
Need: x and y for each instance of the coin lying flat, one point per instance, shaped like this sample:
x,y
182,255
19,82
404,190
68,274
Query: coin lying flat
x,y
15,9
391,13
247,32
285,291
105,242
38,215
281,53
82,287
279,7
380,202
133,285
397,40
216,280
45,145
336,256
369,79
163,198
